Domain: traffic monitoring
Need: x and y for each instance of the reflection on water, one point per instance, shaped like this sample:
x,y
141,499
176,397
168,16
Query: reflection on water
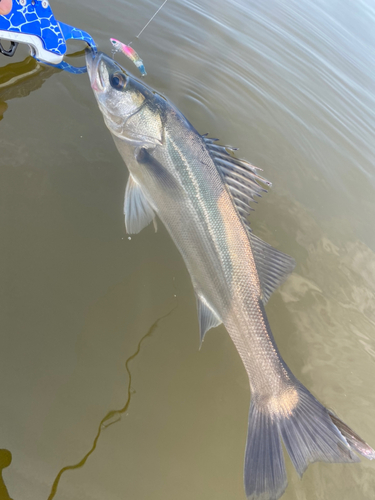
x,y
292,85
19,79
5,461
3,108
329,312
112,416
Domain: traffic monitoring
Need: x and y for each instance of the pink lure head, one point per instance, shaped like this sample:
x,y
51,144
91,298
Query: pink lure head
x,y
116,43
130,53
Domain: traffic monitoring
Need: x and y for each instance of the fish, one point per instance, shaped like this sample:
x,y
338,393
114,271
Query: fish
x,y
130,53
203,194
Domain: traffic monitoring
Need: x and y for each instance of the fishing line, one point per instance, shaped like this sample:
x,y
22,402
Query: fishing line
x,y
118,46
142,30
114,50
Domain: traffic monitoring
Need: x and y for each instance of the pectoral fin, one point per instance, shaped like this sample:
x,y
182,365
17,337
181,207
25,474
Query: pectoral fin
x,y
165,179
137,210
206,316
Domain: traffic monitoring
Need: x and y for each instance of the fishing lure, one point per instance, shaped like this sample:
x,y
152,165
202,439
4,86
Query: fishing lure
x,y
130,53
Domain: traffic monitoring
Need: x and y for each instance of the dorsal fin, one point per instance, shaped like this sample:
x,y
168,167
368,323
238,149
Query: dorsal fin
x,y
241,177
272,265
242,180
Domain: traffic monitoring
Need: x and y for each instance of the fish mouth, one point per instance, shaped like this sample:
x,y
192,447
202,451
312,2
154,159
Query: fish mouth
x,y
93,59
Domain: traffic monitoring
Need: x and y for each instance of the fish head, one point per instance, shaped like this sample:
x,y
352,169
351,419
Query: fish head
x,y
126,104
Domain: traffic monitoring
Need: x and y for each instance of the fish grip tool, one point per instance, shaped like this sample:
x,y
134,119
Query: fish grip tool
x,y
9,52
33,22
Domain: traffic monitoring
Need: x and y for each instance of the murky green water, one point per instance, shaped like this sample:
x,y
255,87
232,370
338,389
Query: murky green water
x,y
83,307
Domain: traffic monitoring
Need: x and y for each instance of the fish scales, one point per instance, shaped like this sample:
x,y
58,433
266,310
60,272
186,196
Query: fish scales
x,y
213,242
202,195
215,233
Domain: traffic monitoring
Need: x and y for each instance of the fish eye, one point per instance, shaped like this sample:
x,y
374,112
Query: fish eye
x,y
118,81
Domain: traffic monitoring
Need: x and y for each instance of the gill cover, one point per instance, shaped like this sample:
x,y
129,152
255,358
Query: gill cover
x,y
126,104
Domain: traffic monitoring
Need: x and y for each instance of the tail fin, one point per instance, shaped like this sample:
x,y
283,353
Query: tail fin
x,y
265,476
310,434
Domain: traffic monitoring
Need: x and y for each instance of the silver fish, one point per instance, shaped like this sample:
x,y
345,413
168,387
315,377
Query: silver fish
x,y
202,194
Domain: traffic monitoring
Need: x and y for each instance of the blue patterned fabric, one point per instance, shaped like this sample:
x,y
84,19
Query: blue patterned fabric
x,y
36,18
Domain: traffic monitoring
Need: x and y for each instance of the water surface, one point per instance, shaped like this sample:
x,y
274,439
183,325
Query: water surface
x,y
84,307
